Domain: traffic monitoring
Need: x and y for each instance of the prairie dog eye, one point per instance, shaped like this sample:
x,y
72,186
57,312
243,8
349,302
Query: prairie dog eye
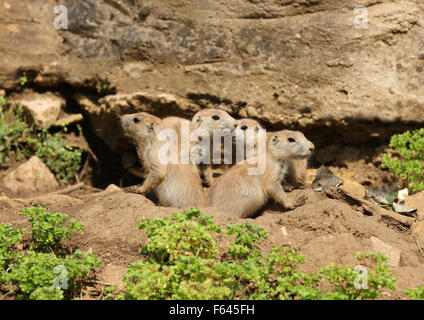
x,y
291,140
244,128
215,117
136,120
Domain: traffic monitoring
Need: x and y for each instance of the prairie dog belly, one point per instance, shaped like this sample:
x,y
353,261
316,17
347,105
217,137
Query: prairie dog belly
x,y
242,198
181,189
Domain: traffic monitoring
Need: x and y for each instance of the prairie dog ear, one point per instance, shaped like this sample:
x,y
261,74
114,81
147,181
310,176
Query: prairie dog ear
x,y
275,139
157,127
153,127
150,127
256,128
197,121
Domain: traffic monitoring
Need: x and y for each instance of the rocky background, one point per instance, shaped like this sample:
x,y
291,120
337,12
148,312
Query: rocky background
x,y
288,63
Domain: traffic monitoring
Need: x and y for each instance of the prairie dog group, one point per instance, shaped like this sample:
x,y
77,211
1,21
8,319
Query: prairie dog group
x,y
236,192
242,195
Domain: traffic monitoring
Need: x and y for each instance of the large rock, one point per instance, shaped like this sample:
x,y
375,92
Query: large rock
x,y
418,227
294,62
30,177
353,187
416,201
29,41
43,109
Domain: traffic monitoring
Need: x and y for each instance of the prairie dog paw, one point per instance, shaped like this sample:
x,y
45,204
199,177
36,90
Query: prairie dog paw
x,y
292,186
300,201
135,189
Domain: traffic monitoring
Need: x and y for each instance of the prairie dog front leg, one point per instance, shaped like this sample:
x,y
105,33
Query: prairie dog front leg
x,y
276,192
149,184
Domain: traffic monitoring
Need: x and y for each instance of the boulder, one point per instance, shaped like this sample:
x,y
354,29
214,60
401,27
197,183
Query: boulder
x,y
353,187
43,109
416,201
286,63
30,43
30,177
418,227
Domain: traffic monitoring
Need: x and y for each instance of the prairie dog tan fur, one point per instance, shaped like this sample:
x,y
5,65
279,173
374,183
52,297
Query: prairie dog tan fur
x,y
175,185
210,121
244,126
129,161
242,195
296,174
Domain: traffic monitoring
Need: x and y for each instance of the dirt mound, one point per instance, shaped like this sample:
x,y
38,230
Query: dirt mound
x,y
325,230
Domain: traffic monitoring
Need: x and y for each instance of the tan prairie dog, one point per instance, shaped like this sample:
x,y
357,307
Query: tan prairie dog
x,y
176,185
204,125
241,194
296,175
174,123
244,126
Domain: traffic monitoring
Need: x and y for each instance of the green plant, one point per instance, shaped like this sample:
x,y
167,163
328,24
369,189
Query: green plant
x,y
110,292
343,278
246,236
47,293
410,165
13,131
64,161
40,275
34,271
180,236
20,140
415,294
23,80
9,237
185,263
49,229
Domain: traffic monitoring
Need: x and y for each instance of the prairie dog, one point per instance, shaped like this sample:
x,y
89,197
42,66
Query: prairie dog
x,y
210,121
129,162
244,126
242,195
296,174
175,185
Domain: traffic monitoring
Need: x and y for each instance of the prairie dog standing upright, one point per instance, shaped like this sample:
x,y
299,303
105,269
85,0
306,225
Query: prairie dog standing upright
x,y
175,185
242,195
129,161
210,121
296,174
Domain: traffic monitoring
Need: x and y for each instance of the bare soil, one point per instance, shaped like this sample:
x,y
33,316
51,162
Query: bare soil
x,y
325,230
